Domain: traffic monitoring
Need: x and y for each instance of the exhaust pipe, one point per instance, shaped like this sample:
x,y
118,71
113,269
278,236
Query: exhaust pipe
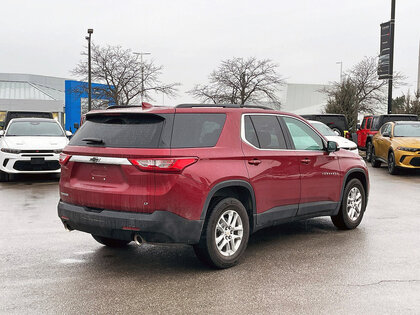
x,y
67,227
138,240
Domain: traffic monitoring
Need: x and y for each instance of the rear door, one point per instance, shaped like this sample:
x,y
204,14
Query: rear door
x,y
273,169
99,172
320,171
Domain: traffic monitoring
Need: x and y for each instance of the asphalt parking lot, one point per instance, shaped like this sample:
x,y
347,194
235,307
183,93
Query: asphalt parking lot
x,y
302,267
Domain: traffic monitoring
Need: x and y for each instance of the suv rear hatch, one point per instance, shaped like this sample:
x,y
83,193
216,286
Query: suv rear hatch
x,y
105,165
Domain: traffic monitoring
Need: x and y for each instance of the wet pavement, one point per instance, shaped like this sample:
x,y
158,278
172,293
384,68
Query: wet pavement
x,y
301,267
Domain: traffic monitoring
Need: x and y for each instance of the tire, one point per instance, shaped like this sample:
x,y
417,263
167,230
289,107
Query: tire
x,y
352,206
392,168
373,161
221,246
4,177
369,148
110,242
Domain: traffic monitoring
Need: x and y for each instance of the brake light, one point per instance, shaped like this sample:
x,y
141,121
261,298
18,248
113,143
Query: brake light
x,y
64,158
163,165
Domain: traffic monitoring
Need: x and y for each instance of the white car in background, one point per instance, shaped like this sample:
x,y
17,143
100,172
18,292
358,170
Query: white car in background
x,y
328,133
31,145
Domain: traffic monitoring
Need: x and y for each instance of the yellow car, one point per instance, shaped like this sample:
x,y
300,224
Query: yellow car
x,y
398,145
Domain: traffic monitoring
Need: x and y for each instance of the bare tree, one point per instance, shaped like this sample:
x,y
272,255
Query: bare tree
x,y
241,81
121,73
360,91
407,104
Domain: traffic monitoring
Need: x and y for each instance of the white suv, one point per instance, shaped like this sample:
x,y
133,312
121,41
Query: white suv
x,y
31,145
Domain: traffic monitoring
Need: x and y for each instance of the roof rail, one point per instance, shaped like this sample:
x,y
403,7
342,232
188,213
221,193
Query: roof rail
x,y
221,106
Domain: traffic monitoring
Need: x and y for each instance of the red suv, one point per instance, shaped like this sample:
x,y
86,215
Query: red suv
x,y
204,175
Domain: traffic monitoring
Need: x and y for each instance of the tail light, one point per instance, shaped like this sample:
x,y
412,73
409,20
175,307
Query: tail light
x,y
64,158
163,165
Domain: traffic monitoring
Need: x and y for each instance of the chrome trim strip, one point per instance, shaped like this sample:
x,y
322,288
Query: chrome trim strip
x,y
99,160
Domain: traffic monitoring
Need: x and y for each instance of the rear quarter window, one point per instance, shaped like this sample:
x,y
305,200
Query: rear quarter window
x,y
193,130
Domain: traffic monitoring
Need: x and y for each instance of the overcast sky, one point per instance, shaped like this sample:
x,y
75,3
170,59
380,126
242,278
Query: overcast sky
x,y
189,38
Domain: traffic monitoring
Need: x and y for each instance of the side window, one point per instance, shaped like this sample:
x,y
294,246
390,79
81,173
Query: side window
x,y
269,133
385,128
250,134
369,123
304,137
364,124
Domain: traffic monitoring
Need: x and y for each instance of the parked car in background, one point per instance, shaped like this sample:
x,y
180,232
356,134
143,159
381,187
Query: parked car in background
x,y
370,126
338,123
398,145
23,114
330,135
31,145
204,175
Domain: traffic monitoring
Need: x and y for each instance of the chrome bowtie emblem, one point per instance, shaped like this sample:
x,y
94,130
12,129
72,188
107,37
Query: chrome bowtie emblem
x,y
95,159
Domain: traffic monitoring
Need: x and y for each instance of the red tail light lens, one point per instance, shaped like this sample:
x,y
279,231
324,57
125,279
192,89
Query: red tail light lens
x,y
64,158
163,165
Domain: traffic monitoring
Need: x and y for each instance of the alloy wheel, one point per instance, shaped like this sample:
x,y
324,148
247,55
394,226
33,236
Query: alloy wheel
x,y
354,204
228,233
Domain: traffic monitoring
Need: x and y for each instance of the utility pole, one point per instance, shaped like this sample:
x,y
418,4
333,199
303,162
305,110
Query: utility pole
x,y
90,31
391,56
341,70
418,75
141,54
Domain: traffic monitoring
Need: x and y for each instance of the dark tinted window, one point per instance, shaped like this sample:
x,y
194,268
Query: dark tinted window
x,y
250,134
197,130
269,133
369,123
363,124
120,131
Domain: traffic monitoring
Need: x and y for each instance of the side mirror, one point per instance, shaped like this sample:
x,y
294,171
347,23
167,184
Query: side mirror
x,y
76,126
332,146
358,126
68,134
1,124
1,133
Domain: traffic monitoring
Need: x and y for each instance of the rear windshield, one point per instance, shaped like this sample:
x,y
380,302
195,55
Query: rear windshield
x,y
197,130
34,128
120,131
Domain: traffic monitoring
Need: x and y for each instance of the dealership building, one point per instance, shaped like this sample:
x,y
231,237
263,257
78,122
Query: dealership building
x,y
66,99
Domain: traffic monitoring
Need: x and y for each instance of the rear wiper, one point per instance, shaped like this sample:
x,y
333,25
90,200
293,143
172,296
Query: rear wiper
x,y
93,140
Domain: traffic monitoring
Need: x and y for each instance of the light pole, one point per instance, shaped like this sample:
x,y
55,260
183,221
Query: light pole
x,y
391,56
141,54
341,70
90,31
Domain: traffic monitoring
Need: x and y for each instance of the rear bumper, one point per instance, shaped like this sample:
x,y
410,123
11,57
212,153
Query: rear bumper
x,y
157,227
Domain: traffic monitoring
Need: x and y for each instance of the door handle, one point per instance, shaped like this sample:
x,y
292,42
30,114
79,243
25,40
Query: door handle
x,y
305,161
254,162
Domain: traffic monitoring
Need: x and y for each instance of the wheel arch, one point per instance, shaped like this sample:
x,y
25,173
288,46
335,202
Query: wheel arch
x,y
239,189
361,175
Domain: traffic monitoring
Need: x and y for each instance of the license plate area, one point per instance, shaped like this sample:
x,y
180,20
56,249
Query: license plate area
x,y
37,161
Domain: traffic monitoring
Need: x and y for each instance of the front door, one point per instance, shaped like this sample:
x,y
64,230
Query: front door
x,y
320,171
